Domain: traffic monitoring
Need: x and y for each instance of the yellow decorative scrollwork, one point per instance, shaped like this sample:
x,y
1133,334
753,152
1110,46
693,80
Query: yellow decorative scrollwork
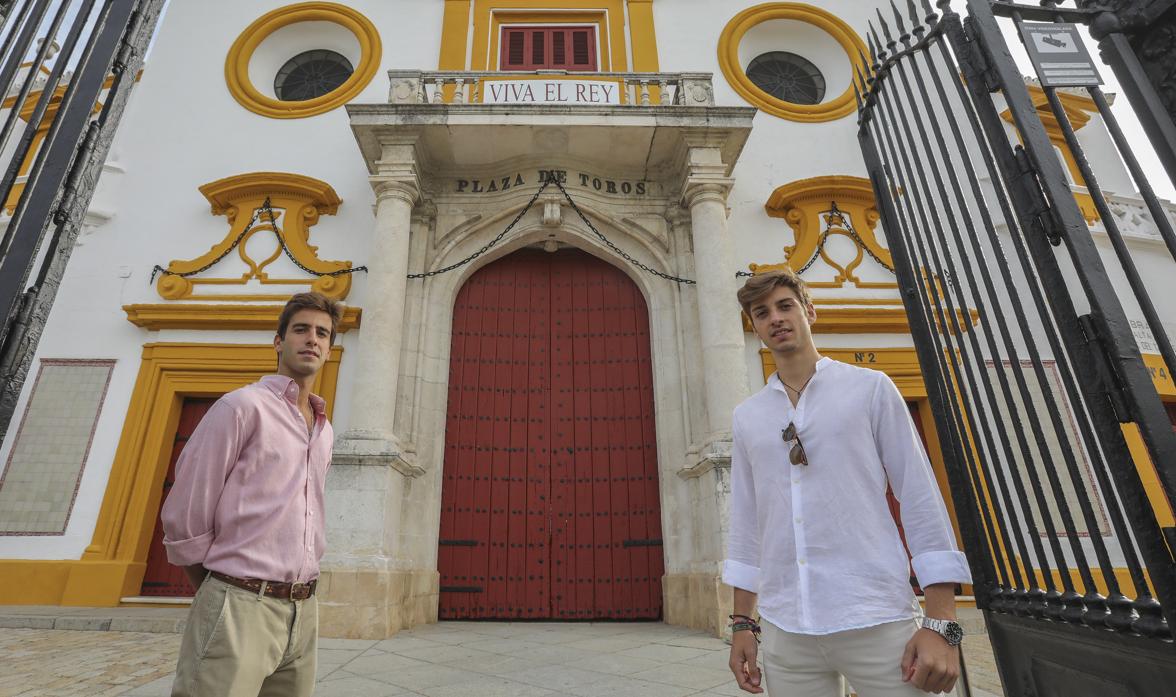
x,y
807,207
297,202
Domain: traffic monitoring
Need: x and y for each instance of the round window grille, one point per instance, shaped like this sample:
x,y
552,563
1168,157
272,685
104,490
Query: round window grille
x,y
788,77
311,74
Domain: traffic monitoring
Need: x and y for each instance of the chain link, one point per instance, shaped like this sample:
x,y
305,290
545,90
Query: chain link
x,y
273,223
485,248
612,246
835,211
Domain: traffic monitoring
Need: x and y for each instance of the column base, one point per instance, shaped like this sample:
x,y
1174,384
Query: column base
x,y
698,601
375,603
714,453
360,447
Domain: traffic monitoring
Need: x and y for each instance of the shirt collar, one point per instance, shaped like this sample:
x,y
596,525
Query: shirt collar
x,y
285,387
776,383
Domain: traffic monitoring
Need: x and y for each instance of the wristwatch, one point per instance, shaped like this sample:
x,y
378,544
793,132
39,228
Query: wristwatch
x,y
950,630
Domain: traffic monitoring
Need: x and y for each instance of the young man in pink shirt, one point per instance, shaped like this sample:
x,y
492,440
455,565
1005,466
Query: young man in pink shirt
x,y
245,520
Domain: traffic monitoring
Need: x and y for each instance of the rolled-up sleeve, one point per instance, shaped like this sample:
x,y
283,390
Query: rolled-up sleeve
x,y
742,566
189,513
926,524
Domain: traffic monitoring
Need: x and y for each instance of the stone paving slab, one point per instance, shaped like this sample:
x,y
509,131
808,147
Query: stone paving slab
x,y
476,659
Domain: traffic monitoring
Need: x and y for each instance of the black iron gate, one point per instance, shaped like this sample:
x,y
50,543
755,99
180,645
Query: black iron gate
x,y
1033,398
66,70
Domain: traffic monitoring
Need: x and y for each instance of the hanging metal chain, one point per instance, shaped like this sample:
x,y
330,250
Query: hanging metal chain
x,y
157,269
612,246
269,211
486,247
265,206
834,211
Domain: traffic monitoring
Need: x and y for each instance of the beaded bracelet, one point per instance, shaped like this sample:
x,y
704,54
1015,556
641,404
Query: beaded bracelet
x,y
740,623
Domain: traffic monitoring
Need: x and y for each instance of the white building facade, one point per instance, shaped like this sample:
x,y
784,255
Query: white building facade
x,y
533,381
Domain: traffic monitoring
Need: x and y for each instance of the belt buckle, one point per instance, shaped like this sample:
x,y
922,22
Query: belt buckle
x,y
299,590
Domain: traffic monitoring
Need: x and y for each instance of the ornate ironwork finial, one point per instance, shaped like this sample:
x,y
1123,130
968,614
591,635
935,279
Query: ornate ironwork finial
x,y
904,35
920,25
875,46
890,40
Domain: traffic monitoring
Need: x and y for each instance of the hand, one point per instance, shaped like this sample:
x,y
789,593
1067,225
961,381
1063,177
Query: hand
x,y
744,649
929,662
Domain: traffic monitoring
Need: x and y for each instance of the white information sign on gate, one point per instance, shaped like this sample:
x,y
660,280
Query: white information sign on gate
x,y
550,92
1059,55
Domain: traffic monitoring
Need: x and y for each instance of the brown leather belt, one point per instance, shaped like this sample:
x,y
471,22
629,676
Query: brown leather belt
x,y
274,589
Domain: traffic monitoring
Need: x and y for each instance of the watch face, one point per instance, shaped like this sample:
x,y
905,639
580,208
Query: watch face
x,y
953,633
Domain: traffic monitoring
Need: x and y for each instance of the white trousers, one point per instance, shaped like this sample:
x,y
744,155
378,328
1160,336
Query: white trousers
x,y
807,665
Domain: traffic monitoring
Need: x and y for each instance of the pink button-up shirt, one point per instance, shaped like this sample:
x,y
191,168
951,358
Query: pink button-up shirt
x,y
248,495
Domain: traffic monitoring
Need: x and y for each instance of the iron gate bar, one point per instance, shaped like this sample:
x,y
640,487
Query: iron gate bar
x,y
1107,312
968,268
961,483
1012,597
1117,52
32,216
1095,604
1063,363
18,50
48,91
1153,619
953,368
73,153
898,70
1112,229
1076,614
1159,215
925,305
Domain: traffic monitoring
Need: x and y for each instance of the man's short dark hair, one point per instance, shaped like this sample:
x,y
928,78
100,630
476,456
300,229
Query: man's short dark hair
x,y
310,301
760,285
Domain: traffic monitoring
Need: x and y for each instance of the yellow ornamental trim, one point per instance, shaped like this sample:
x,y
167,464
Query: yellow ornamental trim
x,y
220,317
241,53
297,203
844,34
802,204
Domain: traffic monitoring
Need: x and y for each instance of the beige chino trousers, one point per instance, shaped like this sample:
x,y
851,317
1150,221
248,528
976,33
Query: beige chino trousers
x,y
806,665
242,644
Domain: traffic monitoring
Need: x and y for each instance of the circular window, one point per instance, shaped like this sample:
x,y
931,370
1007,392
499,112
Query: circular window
x,y
345,58
812,81
311,74
788,77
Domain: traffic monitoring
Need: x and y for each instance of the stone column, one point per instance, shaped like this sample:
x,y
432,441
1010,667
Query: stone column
x,y
370,437
369,588
700,599
720,326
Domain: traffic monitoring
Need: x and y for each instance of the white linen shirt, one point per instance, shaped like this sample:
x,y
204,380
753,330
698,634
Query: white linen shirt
x,y
817,542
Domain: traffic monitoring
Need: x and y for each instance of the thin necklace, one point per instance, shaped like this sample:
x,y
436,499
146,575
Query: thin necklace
x,y
806,382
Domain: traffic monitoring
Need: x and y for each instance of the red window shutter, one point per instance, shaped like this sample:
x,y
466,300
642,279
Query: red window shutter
x,y
582,48
539,57
558,47
513,54
548,48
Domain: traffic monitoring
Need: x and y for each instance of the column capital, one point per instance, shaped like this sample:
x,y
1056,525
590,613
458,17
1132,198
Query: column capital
x,y
407,190
699,190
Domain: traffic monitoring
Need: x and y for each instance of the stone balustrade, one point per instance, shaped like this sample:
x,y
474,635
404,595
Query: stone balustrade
x,y
1134,219
551,87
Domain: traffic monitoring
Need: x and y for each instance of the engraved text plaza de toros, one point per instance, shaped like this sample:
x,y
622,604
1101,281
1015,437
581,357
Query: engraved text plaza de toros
x,y
586,181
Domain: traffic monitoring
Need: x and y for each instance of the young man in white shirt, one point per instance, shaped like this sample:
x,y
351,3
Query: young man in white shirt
x,y
811,538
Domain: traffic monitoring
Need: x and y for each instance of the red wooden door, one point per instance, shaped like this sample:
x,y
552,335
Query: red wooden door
x,y
550,497
161,578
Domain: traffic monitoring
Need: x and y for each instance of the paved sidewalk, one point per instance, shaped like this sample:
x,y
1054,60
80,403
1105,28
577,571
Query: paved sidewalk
x,y
45,651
